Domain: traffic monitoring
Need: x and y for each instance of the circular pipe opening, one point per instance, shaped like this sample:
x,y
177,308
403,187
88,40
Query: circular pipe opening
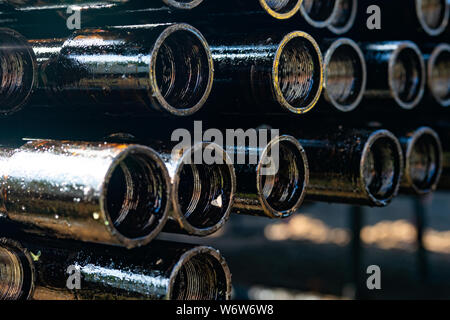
x,y
433,15
17,71
203,193
281,9
381,167
345,75
319,13
201,274
283,174
16,271
181,70
424,160
136,194
183,4
407,75
439,74
298,73
345,16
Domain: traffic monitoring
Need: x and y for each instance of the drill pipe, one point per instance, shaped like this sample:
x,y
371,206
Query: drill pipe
x,y
397,72
202,191
423,156
263,191
444,132
106,193
402,18
354,167
320,13
345,74
438,74
267,76
152,68
42,271
345,17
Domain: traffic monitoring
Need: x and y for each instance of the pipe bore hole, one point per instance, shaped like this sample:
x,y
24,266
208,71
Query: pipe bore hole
x,y
433,15
381,168
282,6
319,11
15,274
299,73
424,162
183,4
407,76
202,277
440,77
204,193
136,196
345,74
16,71
283,188
183,71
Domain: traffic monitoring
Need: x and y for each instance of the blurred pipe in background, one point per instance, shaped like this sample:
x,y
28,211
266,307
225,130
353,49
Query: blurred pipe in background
x,y
262,191
345,17
397,72
422,152
269,75
345,74
353,166
320,13
438,68
167,69
114,194
41,271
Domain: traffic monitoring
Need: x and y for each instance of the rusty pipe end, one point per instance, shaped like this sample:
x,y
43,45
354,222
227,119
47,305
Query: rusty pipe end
x,y
345,74
407,75
319,13
433,15
16,271
281,9
183,4
135,196
181,70
17,71
200,274
423,161
203,193
282,177
439,74
345,17
297,72
381,167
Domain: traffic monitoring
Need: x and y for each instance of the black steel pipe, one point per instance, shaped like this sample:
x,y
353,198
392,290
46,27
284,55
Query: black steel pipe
x,y
97,192
345,17
396,72
443,130
438,74
345,74
39,270
202,193
353,166
320,13
273,186
269,75
423,156
153,68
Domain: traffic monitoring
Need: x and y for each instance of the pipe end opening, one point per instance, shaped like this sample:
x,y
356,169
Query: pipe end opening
x,y
183,4
298,73
433,15
439,74
283,174
345,17
319,13
136,195
182,70
281,9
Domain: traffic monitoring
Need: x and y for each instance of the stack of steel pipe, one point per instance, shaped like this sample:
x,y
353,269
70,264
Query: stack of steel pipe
x,y
352,108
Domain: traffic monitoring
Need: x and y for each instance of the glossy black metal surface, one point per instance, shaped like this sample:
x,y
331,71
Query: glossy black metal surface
x,y
163,271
